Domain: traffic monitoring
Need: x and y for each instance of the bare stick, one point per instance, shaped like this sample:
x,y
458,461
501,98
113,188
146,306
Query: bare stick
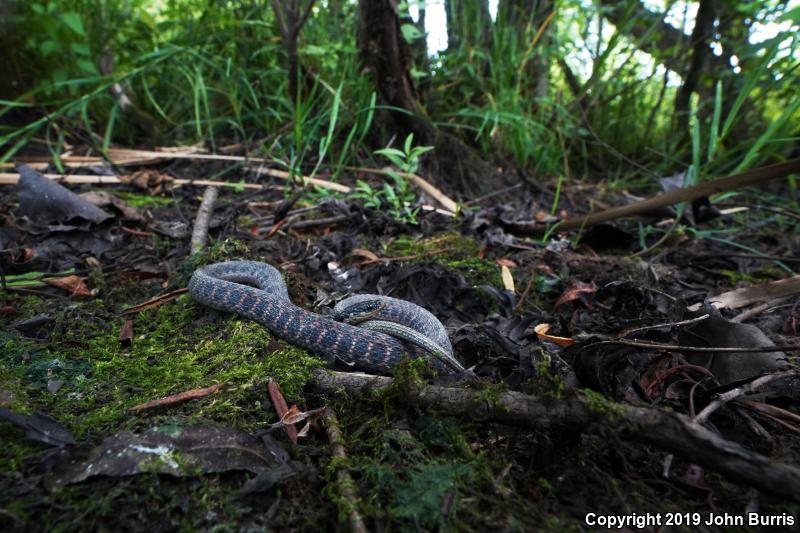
x,y
689,194
670,431
698,349
345,485
665,325
200,231
723,398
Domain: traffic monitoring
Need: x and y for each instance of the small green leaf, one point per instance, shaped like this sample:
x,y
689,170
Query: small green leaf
x,y
48,47
86,66
314,50
73,20
407,144
392,151
82,49
410,32
38,9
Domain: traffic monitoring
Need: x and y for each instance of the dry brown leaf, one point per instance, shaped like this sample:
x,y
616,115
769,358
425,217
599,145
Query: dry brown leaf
x,y
72,284
541,332
574,292
279,402
126,332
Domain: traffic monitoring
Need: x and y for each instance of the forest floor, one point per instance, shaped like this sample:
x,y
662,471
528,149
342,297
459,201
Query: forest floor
x,y
80,358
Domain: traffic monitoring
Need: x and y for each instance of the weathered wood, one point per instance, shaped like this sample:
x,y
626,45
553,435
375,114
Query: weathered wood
x,y
667,430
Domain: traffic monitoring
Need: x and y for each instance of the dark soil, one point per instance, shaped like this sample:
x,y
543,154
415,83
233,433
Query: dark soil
x,y
62,355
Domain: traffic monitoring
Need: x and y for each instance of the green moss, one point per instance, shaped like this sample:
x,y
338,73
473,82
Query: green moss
x,y
452,242
226,250
735,277
600,405
245,221
418,497
103,378
454,251
552,384
136,199
488,392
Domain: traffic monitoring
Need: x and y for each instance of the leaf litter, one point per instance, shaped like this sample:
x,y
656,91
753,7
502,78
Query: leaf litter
x,y
473,281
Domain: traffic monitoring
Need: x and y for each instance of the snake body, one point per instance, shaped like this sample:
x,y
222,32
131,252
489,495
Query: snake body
x,y
226,287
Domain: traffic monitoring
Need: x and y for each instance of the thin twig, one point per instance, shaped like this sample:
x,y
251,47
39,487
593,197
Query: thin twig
x,y
699,349
725,397
201,223
345,483
750,313
666,325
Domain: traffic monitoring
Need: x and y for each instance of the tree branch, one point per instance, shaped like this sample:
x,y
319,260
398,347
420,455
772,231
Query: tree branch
x,y
670,431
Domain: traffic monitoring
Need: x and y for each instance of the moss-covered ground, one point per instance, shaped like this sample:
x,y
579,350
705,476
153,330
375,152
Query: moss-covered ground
x,y
413,470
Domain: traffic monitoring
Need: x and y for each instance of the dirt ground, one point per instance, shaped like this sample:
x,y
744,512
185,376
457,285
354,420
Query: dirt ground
x,y
80,357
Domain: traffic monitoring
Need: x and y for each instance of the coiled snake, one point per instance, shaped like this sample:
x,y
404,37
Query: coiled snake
x,y
226,287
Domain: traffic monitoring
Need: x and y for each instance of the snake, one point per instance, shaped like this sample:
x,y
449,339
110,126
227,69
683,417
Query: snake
x,y
257,291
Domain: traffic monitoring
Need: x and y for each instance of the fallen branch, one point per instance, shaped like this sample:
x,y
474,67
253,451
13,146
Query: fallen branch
x,y
670,431
763,292
689,194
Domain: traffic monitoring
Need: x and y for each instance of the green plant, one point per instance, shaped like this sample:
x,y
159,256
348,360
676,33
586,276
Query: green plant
x,y
65,45
400,195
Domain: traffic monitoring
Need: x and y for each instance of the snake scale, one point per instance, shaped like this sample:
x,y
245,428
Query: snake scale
x,y
227,287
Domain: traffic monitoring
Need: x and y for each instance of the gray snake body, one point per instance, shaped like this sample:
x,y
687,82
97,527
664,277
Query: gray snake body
x,y
222,286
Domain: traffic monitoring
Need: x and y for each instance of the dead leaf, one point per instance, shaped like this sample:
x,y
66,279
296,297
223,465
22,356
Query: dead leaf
x,y
72,284
178,398
105,199
39,427
279,402
294,415
126,332
717,331
541,332
508,279
574,292
168,450
152,181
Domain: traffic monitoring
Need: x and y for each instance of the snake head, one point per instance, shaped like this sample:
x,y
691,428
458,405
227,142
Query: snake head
x,y
358,312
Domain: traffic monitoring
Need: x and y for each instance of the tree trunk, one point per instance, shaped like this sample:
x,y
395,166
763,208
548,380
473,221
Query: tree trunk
x,y
453,10
530,20
700,43
387,58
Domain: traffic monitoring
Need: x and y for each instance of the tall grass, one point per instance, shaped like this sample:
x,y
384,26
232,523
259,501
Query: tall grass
x,y
215,72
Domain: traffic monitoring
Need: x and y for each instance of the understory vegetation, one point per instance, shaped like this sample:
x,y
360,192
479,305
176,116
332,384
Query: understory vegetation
x,y
450,153
574,92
